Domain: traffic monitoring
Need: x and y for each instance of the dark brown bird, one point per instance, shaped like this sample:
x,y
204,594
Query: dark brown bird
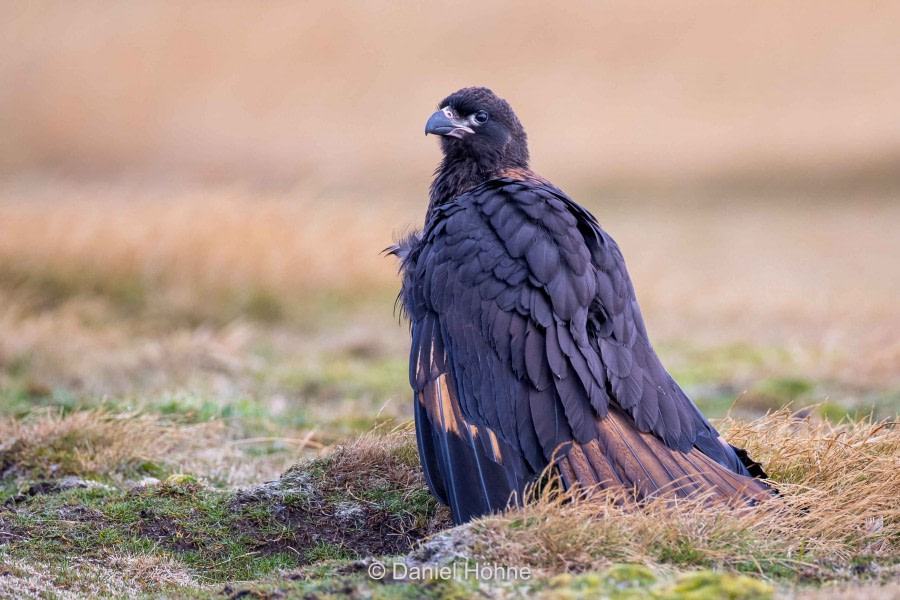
x,y
528,345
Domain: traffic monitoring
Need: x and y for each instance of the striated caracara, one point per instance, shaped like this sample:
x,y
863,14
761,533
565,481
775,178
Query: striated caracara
x,y
528,345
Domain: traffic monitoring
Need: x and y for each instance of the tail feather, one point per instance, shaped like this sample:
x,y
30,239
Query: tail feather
x,y
581,467
717,479
600,466
644,457
687,480
475,472
623,457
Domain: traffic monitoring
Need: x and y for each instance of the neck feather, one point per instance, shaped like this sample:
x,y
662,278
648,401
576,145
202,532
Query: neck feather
x,y
459,173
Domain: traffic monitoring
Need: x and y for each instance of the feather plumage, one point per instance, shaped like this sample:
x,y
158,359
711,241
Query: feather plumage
x,y
528,344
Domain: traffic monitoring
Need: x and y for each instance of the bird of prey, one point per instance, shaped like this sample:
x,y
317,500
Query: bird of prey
x,y
528,345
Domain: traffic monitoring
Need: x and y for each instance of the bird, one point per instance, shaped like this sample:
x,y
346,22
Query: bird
x,y
528,348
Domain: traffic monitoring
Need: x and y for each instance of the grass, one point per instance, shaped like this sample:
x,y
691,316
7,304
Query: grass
x,y
149,257
364,499
184,417
672,95
90,443
836,520
837,506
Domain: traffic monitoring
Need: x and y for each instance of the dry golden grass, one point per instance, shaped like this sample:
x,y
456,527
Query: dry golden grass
x,y
387,454
91,443
814,279
838,502
382,467
197,252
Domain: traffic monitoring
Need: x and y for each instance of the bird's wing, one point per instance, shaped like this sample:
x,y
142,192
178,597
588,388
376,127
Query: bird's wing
x,y
636,380
537,318
466,465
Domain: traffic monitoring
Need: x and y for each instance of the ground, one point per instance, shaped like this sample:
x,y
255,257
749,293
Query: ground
x,y
196,400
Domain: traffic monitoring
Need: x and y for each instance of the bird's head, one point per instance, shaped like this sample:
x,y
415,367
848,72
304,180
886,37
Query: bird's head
x,y
477,125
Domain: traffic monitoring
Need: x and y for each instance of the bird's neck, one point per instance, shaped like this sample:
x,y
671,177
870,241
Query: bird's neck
x,y
458,173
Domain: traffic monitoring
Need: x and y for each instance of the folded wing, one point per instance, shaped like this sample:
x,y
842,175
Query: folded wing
x,y
529,346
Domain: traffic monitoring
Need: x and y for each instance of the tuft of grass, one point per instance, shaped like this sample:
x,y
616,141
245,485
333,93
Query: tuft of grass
x,y
370,493
114,575
96,443
326,551
839,480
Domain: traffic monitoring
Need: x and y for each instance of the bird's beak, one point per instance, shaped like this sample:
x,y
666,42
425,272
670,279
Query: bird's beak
x,y
444,122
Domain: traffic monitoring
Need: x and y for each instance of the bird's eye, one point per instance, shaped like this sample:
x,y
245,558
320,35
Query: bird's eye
x,y
481,117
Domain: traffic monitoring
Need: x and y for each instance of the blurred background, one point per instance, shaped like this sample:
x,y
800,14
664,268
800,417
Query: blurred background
x,y
194,196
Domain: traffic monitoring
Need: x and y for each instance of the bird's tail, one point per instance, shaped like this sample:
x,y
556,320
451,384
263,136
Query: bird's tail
x,y
641,464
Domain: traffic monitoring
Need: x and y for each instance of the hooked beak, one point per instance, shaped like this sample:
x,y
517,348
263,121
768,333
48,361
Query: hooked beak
x,y
444,122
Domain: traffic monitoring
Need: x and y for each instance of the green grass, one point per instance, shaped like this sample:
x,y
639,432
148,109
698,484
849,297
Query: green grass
x,y
183,519
221,535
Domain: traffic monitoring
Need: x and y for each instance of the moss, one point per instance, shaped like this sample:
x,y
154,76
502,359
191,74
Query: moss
x,y
629,575
626,582
618,582
706,585
332,585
